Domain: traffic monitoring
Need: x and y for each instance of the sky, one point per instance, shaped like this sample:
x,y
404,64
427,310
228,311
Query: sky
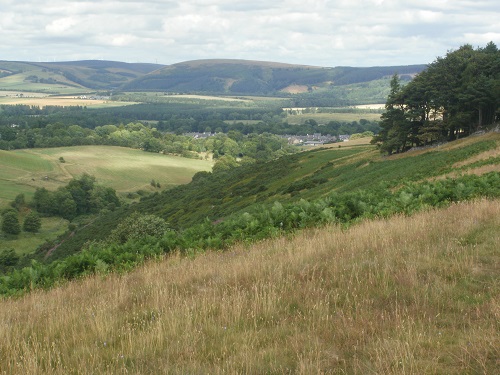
x,y
321,33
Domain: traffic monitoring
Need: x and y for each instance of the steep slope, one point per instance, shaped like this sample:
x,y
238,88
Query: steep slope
x,y
414,295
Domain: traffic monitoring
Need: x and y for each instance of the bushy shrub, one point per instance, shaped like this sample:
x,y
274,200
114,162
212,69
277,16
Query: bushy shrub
x,y
10,223
137,226
32,222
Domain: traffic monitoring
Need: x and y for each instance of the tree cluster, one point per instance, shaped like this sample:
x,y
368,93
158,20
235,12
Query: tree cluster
x,y
80,196
11,224
454,97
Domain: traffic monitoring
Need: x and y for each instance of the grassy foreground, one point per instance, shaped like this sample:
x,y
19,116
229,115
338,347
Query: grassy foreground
x,y
407,295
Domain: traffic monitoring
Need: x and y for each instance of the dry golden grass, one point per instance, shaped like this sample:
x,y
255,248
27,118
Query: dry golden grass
x,y
63,101
415,295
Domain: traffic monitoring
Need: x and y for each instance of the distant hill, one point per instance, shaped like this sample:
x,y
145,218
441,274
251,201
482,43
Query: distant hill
x,y
53,76
257,77
242,77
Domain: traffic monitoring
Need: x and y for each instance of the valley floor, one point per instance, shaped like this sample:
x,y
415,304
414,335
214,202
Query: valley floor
x,y
406,295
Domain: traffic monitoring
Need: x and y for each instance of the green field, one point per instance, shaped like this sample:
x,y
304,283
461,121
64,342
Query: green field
x,y
19,172
25,243
20,82
125,170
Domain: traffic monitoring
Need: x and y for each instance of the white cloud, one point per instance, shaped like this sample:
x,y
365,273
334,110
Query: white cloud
x,y
61,25
313,32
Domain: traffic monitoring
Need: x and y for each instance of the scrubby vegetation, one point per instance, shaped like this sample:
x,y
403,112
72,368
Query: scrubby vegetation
x,y
142,237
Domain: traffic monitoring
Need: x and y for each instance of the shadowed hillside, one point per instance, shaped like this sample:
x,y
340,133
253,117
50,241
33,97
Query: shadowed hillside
x,y
240,77
256,77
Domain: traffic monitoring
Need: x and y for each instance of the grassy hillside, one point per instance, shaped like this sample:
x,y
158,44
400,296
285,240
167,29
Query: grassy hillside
x,y
406,295
125,170
310,175
69,77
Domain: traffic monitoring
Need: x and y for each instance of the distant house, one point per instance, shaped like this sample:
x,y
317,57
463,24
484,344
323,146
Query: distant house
x,y
313,143
344,137
197,135
309,139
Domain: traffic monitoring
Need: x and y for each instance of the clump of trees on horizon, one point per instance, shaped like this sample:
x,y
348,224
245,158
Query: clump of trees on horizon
x,y
455,96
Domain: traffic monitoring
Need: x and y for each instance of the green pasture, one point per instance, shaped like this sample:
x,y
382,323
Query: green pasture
x,y
125,170
24,242
122,168
19,173
18,82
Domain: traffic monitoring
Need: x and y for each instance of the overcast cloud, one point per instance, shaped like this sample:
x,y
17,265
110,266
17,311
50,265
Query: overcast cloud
x,y
320,32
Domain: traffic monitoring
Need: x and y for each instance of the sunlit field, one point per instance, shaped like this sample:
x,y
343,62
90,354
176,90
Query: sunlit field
x,y
121,168
61,101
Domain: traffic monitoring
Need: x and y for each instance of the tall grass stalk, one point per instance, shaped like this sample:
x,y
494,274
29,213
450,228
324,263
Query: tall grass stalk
x,y
406,295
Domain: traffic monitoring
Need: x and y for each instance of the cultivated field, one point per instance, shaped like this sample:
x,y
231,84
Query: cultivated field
x,y
17,82
406,295
207,97
41,100
365,141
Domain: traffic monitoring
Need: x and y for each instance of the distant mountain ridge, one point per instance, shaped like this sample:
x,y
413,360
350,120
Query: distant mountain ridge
x,y
257,77
222,76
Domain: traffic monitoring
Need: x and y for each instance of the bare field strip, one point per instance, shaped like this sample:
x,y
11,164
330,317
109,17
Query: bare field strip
x,y
207,97
16,94
324,118
63,101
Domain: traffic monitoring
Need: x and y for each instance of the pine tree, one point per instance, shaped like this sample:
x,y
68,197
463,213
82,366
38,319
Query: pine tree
x,y
393,134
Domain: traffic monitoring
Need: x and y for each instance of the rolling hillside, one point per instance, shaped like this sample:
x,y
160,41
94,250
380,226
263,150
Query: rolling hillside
x,y
330,261
257,77
240,77
123,169
312,175
76,76
405,295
